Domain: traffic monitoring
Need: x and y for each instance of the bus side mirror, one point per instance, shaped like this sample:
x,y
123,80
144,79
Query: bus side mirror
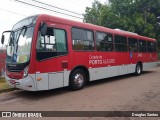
x,y
43,29
2,39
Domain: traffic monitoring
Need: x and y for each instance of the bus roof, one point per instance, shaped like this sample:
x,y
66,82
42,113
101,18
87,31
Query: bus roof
x,y
91,26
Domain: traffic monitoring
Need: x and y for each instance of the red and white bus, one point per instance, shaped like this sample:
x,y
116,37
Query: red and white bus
x,y
46,52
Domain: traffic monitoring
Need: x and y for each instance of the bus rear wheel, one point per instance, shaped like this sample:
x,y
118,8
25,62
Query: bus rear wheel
x,y
77,79
138,70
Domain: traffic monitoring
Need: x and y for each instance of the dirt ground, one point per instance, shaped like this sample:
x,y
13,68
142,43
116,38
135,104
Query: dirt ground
x,y
123,93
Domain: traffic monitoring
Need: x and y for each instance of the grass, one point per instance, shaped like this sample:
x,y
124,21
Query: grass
x,y
3,84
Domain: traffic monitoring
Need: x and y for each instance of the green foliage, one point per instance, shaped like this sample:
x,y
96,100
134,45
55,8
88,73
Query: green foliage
x,y
139,16
3,84
93,15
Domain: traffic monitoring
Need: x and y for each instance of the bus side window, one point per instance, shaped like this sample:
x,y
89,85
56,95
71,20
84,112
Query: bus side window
x,y
155,46
142,46
150,46
104,41
40,42
82,40
120,43
133,44
52,44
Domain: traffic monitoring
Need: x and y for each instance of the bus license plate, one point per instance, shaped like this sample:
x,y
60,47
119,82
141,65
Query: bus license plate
x,y
12,81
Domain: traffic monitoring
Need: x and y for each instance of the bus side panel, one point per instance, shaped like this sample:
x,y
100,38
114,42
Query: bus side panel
x,y
66,78
122,60
131,68
42,81
123,69
55,80
103,72
110,71
149,65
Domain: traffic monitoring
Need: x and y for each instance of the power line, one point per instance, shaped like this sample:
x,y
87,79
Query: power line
x,y
76,2
57,7
12,12
46,9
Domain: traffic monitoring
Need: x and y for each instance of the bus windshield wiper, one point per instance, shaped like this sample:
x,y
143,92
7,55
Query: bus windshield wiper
x,y
23,28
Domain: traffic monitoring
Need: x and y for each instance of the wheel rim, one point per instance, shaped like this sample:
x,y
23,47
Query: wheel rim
x,y
138,69
78,79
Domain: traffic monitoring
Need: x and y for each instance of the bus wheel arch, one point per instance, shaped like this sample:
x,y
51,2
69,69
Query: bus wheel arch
x,y
78,78
139,68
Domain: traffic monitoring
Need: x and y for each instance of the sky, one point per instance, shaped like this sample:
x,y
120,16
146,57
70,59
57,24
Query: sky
x,y
11,11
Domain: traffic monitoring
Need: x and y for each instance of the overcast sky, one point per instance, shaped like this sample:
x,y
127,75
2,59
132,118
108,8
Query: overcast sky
x,y
11,11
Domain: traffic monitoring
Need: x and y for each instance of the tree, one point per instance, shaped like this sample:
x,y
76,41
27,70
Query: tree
x,y
139,16
93,15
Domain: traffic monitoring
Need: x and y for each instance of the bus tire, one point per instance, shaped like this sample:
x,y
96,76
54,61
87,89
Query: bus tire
x,y
138,70
77,79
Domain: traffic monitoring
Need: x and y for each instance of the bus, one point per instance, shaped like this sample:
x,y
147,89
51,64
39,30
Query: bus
x,y
46,52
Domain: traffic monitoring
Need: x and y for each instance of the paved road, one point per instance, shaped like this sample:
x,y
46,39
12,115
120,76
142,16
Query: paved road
x,y
124,93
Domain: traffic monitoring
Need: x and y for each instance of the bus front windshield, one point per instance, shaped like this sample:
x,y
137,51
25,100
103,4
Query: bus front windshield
x,y
19,46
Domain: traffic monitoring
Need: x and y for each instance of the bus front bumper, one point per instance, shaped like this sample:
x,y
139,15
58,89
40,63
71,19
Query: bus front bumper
x,y
26,83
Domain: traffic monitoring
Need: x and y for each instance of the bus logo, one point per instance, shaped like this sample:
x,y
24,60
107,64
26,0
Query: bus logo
x,y
6,114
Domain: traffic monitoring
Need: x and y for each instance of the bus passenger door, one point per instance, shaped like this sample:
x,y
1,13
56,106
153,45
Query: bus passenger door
x,y
52,57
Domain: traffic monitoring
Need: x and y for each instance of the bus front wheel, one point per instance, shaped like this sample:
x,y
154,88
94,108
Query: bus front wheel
x,y
138,70
77,79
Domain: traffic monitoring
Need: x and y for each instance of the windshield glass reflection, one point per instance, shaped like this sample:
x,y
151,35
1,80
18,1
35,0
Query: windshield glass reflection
x,y
18,49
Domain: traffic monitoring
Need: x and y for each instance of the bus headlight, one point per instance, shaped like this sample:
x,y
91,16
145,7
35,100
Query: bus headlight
x,y
25,72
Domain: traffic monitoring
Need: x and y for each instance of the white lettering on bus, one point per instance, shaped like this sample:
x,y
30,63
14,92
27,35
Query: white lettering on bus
x,y
98,60
95,57
95,62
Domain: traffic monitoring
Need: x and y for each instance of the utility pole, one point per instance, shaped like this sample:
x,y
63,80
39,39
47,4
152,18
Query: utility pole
x,y
145,15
